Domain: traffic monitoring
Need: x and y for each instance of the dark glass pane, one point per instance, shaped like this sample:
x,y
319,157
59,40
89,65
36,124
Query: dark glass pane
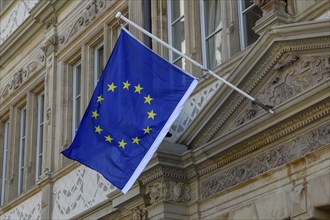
x,y
100,61
78,79
247,3
177,9
251,18
77,119
179,62
178,37
212,16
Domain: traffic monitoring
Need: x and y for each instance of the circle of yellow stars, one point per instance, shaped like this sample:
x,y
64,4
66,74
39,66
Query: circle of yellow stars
x,y
150,115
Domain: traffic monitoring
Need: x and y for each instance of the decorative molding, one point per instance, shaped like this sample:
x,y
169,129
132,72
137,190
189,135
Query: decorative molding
x,y
161,191
191,109
19,77
29,209
15,18
88,15
310,116
263,162
162,171
50,45
139,213
264,67
289,80
79,190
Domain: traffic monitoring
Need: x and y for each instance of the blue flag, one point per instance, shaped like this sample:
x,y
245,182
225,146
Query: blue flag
x,y
138,97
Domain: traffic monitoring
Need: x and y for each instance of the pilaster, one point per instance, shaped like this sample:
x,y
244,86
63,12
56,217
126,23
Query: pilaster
x,y
49,48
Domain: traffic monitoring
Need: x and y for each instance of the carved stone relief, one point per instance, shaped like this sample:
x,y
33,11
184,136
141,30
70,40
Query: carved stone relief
x,y
192,108
285,153
139,213
169,191
19,77
50,45
88,15
15,18
293,76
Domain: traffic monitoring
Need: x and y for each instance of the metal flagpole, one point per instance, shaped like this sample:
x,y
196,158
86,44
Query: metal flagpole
x,y
254,100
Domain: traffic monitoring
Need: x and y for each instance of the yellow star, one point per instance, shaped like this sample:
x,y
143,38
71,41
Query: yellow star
x,y
100,99
108,138
98,129
122,144
111,87
147,130
151,114
126,85
136,140
148,99
95,114
138,88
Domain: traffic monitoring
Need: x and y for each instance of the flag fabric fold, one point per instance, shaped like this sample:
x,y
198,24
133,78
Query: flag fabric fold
x,y
138,97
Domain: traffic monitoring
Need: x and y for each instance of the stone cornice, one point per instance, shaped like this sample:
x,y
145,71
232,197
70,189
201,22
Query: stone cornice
x,y
314,114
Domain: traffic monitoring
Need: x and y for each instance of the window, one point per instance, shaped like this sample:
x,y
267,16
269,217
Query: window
x,y
211,25
40,134
176,32
98,63
248,14
76,97
4,161
21,150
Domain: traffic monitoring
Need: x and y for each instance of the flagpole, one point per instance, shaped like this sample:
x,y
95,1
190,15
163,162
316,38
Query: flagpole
x,y
254,100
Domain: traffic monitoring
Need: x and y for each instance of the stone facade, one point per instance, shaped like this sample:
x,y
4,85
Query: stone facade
x,y
226,159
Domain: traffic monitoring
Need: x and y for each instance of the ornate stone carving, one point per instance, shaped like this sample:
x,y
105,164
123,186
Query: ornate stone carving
x,y
51,22
50,45
15,18
19,77
291,60
28,209
285,153
264,67
289,80
169,191
162,171
192,108
139,214
88,15
16,80
79,190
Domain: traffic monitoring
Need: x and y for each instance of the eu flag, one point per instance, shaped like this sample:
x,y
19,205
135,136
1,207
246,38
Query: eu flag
x,y
136,100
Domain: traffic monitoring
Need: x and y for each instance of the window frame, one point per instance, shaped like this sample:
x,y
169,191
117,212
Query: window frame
x,y
97,62
170,25
5,154
205,38
75,96
242,23
21,150
40,134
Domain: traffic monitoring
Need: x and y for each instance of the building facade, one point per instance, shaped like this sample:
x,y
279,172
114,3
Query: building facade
x,y
226,159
